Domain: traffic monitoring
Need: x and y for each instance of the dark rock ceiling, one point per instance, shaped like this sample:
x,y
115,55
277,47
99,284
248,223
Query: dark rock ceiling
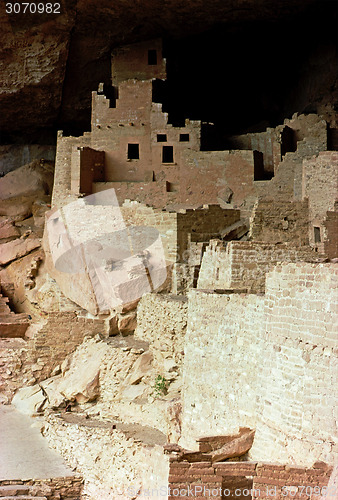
x,y
248,59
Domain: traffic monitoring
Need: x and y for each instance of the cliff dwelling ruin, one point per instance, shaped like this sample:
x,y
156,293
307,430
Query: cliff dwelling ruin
x,y
168,272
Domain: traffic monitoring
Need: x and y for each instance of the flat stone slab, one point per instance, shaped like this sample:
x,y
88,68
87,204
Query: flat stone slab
x,y
24,453
23,497
13,490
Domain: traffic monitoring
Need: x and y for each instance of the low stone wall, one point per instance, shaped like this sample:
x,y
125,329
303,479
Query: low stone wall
x,y
113,465
246,480
244,264
15,367
27,361
67,488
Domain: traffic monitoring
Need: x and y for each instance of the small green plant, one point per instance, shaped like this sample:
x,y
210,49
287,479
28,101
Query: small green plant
x,y
160,386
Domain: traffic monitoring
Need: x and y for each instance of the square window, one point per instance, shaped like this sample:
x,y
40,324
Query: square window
x,y
167,154
133,152
152,57
161,137
184,138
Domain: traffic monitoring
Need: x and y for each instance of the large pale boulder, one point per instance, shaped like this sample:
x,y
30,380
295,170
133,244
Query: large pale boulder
x,y
29,400
81,380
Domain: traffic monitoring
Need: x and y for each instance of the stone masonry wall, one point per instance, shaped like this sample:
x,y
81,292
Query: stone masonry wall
x,y
62,177
244,264
109,461
247,480
67,488
297,375
222,347
320,186
280,221
30,360
331,235
162,321
268,363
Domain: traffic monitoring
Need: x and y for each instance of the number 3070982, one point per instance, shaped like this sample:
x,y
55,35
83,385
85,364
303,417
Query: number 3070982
x,y
33,8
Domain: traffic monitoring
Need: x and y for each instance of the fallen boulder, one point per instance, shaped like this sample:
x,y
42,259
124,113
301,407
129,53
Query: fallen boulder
x,y
8,231
32,179
29,400
140,368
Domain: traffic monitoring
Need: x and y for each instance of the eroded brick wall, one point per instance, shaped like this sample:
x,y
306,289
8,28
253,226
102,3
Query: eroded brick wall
x,y
222,359
320,187
162,321
280,221
267,363
331,235
25,362
296,380
247,480
67,488
244,264
291,481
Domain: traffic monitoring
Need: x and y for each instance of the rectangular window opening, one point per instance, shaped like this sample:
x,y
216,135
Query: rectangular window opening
x,y
133,152
161,137
316,231
167,154
184,138
152,57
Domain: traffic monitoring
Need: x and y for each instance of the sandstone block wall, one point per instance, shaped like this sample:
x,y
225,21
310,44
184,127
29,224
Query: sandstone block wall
x,y
268,363
131,61
296,402
280,221
331,235
66,147
162,321
58,336
110,462
246,480
222,347
25,362
320,187
267,142
67,488
15,366
244,264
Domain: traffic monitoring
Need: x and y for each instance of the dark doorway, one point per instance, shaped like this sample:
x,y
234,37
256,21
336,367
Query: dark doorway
x,y
316,231
152,57
167,154
332,139
288,141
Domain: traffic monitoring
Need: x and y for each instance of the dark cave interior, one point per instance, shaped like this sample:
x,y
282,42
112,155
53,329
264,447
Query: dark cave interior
x,y
235,77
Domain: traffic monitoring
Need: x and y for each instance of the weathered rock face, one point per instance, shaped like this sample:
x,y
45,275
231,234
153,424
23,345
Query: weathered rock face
x,y
50,61
34,179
